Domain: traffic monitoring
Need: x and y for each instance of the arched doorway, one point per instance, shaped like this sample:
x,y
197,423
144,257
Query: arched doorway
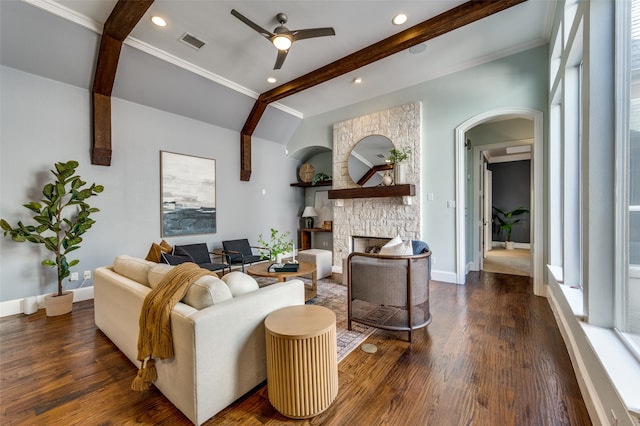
x,y
537,210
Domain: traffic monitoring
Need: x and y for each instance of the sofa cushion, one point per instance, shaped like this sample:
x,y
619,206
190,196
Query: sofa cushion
x,y
133,268
207,291
419,246
240,283
156,250
404,248
157,273
395,240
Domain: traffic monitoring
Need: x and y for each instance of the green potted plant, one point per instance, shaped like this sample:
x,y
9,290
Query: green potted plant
x,y
276,246
398,158
57,230
320,177
506,221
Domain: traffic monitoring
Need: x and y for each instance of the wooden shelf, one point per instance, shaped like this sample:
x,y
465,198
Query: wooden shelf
x,y
305,236
310,185
376,191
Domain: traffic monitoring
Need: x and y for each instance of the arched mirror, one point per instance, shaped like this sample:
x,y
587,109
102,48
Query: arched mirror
x,y
367,162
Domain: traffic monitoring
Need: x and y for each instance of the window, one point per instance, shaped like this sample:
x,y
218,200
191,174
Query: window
x,y
628,179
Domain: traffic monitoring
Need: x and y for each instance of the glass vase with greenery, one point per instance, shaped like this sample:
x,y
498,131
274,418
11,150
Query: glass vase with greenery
x,y
278,244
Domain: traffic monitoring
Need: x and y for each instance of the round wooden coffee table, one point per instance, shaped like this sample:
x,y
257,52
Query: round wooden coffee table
x,y
304,268
302,360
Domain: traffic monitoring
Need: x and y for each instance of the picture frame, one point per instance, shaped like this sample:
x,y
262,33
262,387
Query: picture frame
x,y
187,194
323,206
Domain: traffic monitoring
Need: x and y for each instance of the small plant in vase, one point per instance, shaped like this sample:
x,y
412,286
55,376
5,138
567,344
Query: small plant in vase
x,y
277,245
58,231
398,158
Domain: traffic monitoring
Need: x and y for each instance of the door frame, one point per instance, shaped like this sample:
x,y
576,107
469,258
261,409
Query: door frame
x,y
486,216
477,212
537,205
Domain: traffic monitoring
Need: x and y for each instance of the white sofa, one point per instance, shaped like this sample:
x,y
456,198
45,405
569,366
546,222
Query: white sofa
x,y
219,349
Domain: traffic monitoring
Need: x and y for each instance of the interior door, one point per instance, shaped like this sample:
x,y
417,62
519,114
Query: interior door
x,y
487,210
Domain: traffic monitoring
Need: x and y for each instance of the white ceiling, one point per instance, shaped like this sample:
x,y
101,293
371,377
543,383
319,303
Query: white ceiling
x,y
241,59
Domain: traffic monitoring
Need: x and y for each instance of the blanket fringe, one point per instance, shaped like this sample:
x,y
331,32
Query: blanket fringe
x,y
146,375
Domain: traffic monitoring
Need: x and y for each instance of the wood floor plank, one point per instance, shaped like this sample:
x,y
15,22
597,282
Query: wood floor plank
x,y
492,355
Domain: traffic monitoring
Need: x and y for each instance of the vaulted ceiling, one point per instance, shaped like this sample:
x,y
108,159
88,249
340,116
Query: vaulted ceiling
x,y
220,82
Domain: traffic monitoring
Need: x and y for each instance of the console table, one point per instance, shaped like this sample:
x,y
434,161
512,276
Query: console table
x,y
305,236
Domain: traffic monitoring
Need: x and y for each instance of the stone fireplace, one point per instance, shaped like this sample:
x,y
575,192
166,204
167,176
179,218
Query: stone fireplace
x,y
383,217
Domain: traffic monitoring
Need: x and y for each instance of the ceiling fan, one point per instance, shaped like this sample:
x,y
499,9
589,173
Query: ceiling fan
x,y
281,37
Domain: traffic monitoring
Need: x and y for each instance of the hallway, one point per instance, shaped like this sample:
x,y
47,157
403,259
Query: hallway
x,y
514,262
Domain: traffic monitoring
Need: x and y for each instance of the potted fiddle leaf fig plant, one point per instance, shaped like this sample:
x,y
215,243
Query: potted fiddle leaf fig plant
x,y
276,246
57,227
506,220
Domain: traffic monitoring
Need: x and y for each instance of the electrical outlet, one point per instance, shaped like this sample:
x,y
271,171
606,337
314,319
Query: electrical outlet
x,y
87,275
74,276
433,260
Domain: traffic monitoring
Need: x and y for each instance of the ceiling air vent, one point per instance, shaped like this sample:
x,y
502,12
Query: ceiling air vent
x,y
192,41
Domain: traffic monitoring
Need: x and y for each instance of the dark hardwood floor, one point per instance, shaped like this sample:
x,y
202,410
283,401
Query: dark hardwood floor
x,y
493,355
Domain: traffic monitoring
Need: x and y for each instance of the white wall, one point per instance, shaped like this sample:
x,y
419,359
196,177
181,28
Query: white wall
x,y
43,122
520,80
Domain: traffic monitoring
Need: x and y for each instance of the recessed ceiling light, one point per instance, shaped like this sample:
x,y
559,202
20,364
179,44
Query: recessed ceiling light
x,y
357,80
399,19
271,80
159,21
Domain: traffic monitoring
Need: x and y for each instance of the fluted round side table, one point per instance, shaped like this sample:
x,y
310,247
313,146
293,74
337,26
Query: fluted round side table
x,y
302,360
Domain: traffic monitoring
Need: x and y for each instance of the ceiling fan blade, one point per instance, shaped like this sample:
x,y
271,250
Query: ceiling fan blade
x,y
312,32
250,23
282,55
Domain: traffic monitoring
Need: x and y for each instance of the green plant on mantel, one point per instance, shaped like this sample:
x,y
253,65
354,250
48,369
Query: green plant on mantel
x,y
59,233
320,177
277,244
399,155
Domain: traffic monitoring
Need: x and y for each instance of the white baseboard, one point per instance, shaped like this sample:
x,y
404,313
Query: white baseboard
x,y
444,276
586,385
13,307
500,244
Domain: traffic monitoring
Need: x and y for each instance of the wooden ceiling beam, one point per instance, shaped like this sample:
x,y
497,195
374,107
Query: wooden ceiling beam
x,y
450,20
124,17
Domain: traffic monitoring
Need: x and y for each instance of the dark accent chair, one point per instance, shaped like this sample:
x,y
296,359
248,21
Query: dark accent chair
x,y
395,288
239,252
199,254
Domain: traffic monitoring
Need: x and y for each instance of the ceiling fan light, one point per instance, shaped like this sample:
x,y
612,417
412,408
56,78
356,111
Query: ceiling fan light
x,y
282,42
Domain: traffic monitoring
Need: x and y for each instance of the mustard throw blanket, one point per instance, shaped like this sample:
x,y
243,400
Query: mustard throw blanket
x,y
154,337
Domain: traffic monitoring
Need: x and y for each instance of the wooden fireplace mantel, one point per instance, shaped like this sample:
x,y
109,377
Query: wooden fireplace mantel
x,y
376,191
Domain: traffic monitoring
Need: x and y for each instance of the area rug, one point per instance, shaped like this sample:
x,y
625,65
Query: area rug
x,y
334,296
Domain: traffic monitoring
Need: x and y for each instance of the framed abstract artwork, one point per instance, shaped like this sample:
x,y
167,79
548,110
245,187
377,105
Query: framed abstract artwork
x,y
187,194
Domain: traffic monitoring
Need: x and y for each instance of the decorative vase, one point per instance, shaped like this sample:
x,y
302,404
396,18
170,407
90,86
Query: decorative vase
x,y
399,172
58,305
279,257
387,179
509,245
